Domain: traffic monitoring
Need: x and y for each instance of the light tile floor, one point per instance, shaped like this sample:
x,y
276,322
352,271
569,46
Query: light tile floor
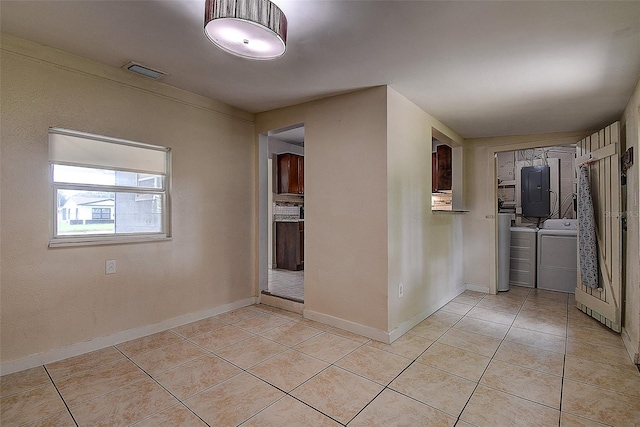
x,y
522,358
287,284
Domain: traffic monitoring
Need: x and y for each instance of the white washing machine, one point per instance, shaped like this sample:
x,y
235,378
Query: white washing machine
x,y
558,255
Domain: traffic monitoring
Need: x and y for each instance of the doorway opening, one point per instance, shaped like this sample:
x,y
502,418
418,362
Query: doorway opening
x,y
284,152
562,183
536,210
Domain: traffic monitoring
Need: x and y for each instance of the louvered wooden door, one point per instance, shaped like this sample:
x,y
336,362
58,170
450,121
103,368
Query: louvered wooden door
x,y
603,149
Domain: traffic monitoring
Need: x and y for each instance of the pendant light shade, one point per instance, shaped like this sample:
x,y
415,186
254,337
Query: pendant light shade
x,y
253,29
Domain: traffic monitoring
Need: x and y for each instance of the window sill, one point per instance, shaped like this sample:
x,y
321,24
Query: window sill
x,y
454,211
97,241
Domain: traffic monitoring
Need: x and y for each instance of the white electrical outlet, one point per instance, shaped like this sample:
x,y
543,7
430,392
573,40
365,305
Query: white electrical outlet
x,y
400,290
110,266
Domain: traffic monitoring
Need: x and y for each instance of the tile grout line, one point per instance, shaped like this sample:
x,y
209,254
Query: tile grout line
x,y
288,347
491,359
485,369
386,386
162,410
60,394
92,369
450,328
415,360
368,379
562,376
367,405
246,370
291,321
254,334
338,367
292,396
163,387
305,381
564,362
477,382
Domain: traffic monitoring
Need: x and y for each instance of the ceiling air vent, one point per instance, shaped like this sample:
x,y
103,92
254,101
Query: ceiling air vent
x,y
144,71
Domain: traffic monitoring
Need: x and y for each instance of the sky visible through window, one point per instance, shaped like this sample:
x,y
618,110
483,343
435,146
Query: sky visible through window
x,y
78,175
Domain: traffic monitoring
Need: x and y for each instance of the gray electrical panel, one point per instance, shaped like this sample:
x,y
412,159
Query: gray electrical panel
x,y
535,191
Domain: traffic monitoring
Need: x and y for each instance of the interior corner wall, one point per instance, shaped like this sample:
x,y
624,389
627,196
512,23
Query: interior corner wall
x,y
480,183
51,298
425,247
345,206
631,321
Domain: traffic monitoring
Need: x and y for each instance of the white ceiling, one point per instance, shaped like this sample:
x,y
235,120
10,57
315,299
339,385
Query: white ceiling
x,y
482,68
293,135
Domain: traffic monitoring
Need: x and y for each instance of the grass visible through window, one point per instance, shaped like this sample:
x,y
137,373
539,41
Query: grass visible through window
x,y
65,228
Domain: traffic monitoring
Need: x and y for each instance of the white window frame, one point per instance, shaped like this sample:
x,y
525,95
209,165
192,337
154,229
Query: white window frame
x,y
56,240
100,213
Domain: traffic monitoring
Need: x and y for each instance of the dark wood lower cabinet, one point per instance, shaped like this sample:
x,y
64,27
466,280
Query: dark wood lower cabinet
x,y
290,245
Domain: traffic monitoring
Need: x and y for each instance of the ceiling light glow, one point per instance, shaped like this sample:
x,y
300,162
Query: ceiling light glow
x,y
253,29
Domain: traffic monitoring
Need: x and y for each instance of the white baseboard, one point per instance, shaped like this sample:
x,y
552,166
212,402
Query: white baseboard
x,y
629,345
347,325
377,334
407,325
117,338
478,288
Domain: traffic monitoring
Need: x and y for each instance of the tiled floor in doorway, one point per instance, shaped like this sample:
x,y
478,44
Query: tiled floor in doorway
x,y
525,358
287,284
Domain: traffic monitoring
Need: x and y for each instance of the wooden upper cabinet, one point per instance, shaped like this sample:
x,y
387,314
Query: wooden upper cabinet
x,y
441,162
290,174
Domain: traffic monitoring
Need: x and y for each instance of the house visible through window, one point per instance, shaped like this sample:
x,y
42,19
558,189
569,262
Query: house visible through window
x,y
107,190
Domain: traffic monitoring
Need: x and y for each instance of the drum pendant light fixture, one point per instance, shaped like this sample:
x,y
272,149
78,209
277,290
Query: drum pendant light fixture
x,y
252,29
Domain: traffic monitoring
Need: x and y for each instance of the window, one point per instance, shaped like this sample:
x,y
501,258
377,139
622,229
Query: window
x,y
107,190
100,213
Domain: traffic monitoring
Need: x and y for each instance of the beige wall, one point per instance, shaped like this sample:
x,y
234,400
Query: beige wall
x,y
480,197
631,323
368,219
51,298
425,248
345,204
